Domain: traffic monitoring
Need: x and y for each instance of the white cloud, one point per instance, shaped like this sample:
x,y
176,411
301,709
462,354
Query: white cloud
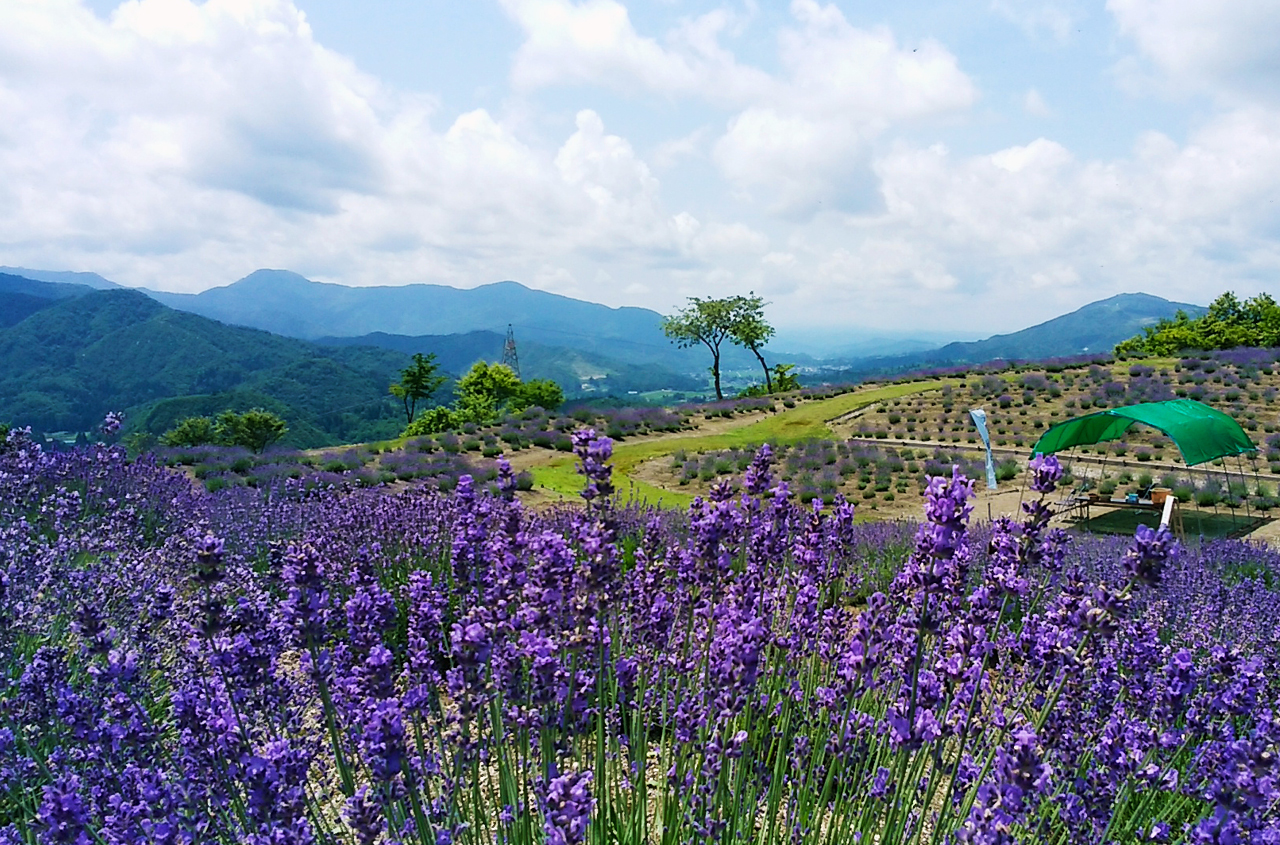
x,y
221,137
183,145
672,152
806,142
1226,48
595,42
1055,18
1033,223
1034,104
798,137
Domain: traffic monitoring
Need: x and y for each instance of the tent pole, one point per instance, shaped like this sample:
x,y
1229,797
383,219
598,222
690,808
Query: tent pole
x,y
1022,490
1248,511
1226,480
1257,483
1102,470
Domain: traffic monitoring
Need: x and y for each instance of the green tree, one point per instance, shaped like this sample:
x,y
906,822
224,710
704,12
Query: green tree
x,y
191,431
783,379
417,383
255,429
706,321
542,392
1228,323
432,421
749,329
485,392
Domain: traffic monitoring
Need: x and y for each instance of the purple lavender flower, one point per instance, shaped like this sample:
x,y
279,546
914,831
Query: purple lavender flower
x,y
63,816
758,478
383,740
1046,471
506,479
989,822
209,552
567,808
111,424
593,453
364,815
941,552
1151,552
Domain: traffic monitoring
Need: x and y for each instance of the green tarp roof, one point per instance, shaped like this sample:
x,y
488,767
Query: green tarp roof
x,y
1202,433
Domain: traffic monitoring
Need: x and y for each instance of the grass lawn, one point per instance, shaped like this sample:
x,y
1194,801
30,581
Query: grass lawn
x,y
807,420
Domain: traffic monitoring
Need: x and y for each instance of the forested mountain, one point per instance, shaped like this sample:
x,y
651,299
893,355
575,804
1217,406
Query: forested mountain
x,y
289,304
63,277
570,368
1096,327
65,365
1093,328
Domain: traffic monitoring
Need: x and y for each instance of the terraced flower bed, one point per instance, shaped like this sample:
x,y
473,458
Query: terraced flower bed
x,y
356,667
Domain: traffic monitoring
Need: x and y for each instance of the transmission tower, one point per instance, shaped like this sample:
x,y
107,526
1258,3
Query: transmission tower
x,y
509,355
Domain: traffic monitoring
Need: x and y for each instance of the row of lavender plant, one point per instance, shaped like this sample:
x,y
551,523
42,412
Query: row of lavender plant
x,y
346,667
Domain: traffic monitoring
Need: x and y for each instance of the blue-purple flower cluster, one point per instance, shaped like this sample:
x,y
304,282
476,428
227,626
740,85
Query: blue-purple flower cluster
x,y
357,667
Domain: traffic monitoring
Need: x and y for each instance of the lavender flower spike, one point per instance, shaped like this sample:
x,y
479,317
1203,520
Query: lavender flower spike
x,y
568,809
1151,551
1046,471
111,424
758,477
593,453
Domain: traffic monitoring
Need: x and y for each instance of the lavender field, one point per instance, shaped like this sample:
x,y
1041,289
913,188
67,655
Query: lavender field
x,y
295,664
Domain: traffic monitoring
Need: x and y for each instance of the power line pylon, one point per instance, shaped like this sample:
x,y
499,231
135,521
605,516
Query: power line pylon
x,y
509,355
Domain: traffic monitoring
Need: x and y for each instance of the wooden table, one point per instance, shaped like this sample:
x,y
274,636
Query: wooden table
x,y
1077,509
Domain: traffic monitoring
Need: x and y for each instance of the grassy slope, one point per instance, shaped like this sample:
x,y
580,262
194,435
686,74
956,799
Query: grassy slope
x,y
808,420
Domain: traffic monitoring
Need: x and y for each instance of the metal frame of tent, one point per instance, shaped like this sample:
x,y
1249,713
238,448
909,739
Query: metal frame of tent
x,y
1200,432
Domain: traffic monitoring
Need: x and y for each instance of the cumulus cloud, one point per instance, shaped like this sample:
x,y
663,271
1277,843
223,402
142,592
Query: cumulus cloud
x,y
1226,48
1034,104
1054,18
800,136
595,42
1182,221
181,145
842,86
225,134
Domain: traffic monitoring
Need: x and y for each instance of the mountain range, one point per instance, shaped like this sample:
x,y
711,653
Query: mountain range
x,y
576,371
74,345
65,365
292,305
69,353
1093,328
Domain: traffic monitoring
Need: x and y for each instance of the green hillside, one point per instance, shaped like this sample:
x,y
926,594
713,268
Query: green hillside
x,y
16,307
570,368
64,366
1092,329
289,304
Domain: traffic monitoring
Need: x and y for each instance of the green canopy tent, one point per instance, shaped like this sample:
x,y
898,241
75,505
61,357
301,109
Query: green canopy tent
x,y
1200,432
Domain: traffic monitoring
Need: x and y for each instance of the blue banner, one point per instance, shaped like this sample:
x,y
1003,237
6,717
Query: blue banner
x,y
980,420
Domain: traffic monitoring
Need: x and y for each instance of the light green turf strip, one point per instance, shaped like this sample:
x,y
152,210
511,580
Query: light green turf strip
x,y
561,477
807,421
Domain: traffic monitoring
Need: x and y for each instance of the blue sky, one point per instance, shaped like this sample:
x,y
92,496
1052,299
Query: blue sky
x,y
959,167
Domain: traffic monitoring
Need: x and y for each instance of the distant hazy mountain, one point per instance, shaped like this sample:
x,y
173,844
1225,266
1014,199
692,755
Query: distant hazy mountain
x,y
289,304
1096,327
91,280
570,368
65,365
10,283
827,344
21,297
